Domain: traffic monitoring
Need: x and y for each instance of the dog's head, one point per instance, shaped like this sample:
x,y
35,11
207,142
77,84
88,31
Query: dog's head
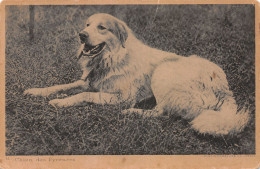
x,y
103,33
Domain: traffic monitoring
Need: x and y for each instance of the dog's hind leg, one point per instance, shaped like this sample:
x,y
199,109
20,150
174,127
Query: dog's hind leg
x,y
55,89
87,97
157,111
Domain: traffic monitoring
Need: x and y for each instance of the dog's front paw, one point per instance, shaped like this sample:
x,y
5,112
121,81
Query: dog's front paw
x,y
126,111
133,110
36,92
60,103
145,113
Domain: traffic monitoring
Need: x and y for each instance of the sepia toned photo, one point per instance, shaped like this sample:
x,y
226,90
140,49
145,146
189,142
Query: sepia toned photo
x,y
129,79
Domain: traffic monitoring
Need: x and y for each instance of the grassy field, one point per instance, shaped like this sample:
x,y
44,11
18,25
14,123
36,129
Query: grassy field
x,y
223,34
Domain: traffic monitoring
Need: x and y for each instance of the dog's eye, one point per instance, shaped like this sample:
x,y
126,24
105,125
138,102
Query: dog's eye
x,y
87,25
101,27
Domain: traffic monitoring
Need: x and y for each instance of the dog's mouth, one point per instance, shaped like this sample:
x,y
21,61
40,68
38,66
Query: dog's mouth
x,y
92,51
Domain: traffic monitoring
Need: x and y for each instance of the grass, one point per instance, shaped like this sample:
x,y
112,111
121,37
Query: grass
x,y
223,34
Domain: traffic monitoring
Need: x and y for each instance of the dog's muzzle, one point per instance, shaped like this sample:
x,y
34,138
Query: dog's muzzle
x,y
90,50
83,36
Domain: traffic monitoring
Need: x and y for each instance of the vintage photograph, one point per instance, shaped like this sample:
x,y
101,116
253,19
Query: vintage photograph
x,y
130,79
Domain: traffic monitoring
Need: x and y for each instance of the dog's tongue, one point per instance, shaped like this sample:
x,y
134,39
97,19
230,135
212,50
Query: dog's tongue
x,y
92,50
87,50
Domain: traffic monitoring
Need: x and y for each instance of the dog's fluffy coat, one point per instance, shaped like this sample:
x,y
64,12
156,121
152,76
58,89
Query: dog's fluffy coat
x,y
129,71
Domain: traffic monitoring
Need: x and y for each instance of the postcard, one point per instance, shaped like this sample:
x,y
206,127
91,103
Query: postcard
x,y
129,84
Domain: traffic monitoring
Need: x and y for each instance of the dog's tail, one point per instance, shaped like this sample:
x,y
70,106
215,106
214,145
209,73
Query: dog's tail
x,y
225,121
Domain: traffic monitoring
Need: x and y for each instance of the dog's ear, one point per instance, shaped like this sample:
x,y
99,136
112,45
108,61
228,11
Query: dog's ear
x,y
121,32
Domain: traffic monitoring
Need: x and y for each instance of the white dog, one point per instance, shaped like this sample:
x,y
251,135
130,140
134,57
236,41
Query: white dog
x,y
122,69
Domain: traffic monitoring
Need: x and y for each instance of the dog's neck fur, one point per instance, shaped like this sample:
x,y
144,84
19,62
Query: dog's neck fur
x,y
133,47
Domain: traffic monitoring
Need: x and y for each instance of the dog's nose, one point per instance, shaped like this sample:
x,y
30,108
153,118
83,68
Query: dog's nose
x,y
83,34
